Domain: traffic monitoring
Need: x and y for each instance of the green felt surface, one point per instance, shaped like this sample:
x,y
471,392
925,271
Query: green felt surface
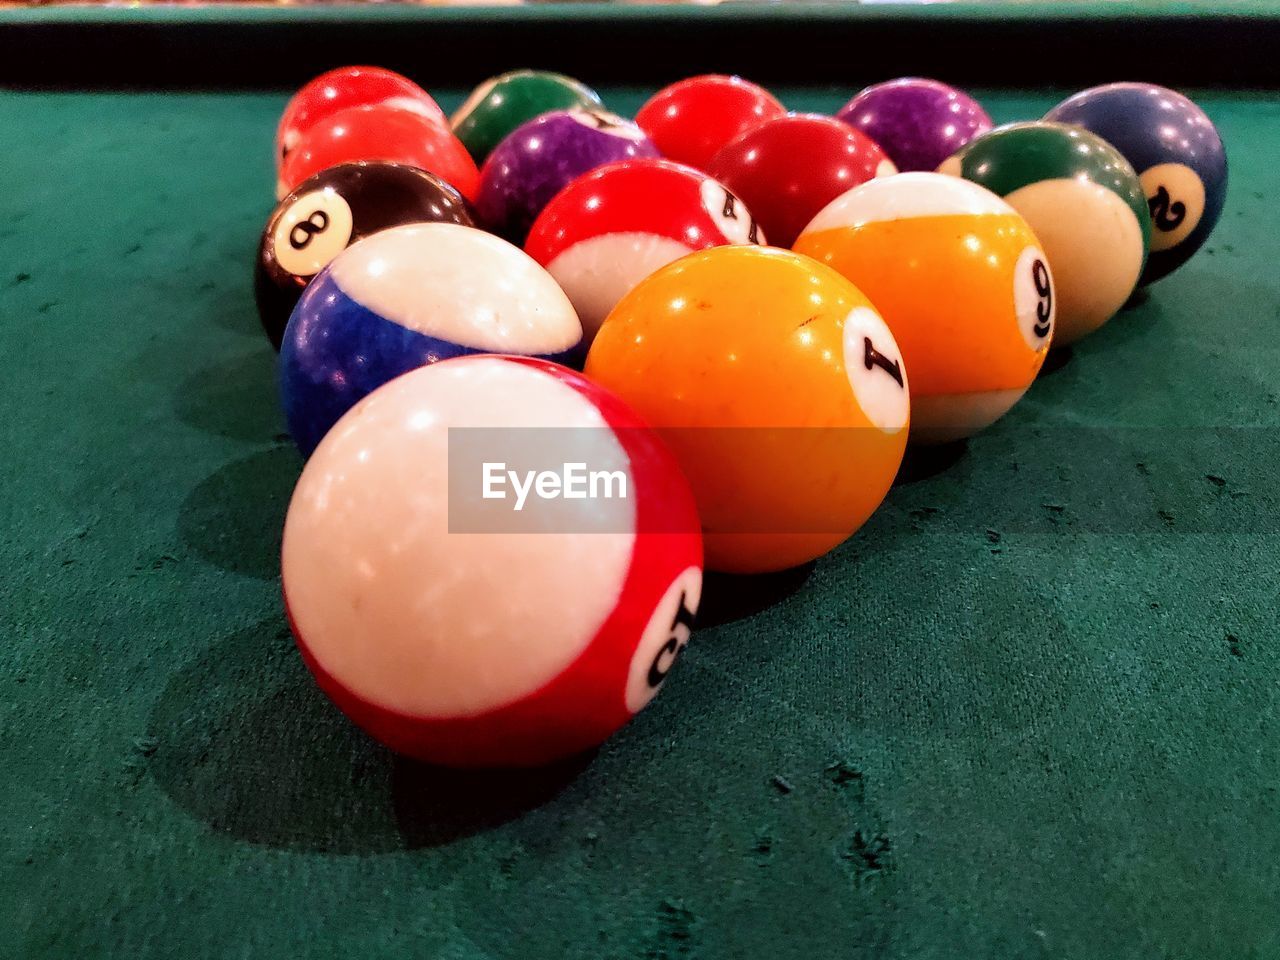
x,y
1030,710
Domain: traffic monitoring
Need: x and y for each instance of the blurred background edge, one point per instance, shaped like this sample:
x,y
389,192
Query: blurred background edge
x,y
227,46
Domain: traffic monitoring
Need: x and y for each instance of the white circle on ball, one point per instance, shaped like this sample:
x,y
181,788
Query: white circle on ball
x,y
415,105
875,369
1175,196
729,214
474,99
610,123
663,639
951,167
1035,300
312,231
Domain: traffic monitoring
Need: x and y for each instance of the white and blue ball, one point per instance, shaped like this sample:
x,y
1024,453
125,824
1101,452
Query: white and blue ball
x,y
407,297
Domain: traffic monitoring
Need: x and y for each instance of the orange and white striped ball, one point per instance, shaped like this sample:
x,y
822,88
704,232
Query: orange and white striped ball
x,y
962,282
778,388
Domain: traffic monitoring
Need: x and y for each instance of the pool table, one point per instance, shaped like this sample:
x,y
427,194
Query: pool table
x,y
1031,709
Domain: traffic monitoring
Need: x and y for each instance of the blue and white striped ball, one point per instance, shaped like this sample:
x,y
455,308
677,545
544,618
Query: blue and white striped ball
x,y
407,297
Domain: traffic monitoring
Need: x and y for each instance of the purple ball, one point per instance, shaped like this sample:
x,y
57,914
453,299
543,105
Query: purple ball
x,y
917,122
541,157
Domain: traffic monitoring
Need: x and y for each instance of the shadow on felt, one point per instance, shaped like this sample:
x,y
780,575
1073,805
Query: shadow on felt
x,y
236,398
233,518
248,744
1134,322
727,597
922,462
1058,358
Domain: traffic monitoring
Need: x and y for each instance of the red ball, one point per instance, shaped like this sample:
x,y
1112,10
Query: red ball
x,y
457,631
612,228
350,87
691,120
380,133
788,168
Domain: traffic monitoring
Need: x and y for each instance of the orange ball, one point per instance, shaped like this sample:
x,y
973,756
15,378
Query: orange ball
x,y
777,386
962,282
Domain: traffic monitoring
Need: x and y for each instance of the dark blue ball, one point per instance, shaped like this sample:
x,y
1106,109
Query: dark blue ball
x,y
407,297
1177,152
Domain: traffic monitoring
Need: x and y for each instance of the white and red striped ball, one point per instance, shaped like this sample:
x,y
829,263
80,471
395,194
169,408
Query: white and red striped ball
x,y
614,227
501,648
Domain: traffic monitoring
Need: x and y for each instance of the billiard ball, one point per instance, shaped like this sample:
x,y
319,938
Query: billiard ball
x,y
406,297
540,158
1084,203
380,133
502,103
777,386
453,634
917,122
330,211
962,282
691,120
610,229
349,87
788,168
1177,152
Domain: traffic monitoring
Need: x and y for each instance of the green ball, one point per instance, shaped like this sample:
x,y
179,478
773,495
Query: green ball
x,y
1084,202
502,103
